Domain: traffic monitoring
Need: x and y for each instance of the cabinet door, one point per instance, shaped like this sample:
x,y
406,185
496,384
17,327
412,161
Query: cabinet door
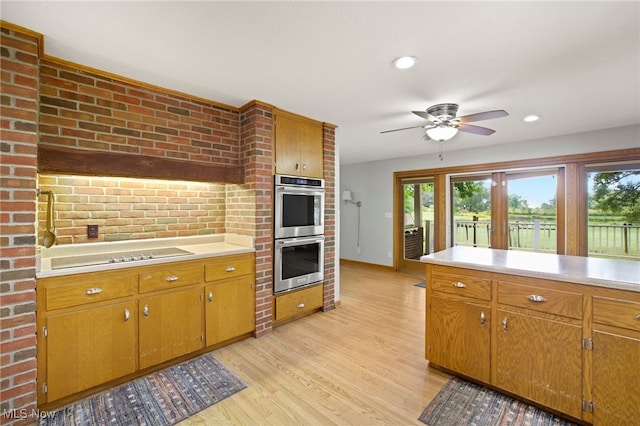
x,y
229,309
298,146
541,360
616,378
459,336
89,347
170,325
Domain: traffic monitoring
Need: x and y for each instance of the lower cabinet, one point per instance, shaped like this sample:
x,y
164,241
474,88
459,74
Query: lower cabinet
x,y
170,325
298,302
97,327
229,309
459,336
541,360
88,347
569,347
616,361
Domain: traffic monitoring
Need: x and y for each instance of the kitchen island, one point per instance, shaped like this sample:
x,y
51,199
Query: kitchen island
x,y
562,332
114,311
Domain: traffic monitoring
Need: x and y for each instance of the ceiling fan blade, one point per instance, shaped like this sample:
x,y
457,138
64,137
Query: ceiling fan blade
x,y
475,129
487,115
404,128
425,115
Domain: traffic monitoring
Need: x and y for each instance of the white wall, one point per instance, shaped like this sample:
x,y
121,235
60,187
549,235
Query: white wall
x,y
372,182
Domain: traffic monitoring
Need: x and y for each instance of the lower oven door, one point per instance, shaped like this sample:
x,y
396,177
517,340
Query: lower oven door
x,y
297,262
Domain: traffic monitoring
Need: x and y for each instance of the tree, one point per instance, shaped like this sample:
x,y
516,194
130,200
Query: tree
x,y
618,193
517,202
472,196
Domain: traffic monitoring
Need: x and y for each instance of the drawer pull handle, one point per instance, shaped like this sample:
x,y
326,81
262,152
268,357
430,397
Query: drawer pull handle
x,y
145,311
127,315
638,317
483,319
458,284
210,296
300,306
230,268
94,290
172,278
537,298
505,324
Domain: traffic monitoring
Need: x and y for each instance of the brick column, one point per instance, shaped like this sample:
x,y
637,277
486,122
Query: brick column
x,y
329,159
18,159
256,132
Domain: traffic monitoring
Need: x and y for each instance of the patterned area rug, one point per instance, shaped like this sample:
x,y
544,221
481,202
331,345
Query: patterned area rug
x,y
464,403
161,398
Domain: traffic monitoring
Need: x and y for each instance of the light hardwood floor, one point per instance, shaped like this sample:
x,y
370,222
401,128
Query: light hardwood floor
x,y
360,364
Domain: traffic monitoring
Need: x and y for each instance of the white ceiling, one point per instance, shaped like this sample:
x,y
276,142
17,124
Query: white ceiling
x,y
577,64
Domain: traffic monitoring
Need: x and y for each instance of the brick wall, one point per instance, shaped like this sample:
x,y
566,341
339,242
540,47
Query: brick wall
x,y
83,110
17,233
128,209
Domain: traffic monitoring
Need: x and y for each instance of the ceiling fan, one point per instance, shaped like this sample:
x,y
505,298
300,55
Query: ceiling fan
x,y
442,123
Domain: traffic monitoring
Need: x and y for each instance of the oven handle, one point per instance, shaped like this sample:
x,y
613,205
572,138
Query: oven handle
x,y
297,241
294,189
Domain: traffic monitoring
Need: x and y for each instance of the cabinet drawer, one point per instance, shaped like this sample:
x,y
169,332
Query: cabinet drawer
x,y
616,312
228,267
299,302
169,278
540,299
83,291
462,285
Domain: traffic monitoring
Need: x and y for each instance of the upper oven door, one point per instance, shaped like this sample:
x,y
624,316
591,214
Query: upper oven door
x,y
299,212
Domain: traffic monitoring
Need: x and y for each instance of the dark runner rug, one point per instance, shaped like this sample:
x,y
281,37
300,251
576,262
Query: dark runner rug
x,y
161,398
464,403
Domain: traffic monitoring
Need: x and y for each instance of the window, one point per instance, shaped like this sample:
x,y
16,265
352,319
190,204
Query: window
x,y
613,206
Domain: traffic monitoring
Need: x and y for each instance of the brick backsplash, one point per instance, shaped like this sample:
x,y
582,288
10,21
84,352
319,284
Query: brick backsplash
x,y
128,209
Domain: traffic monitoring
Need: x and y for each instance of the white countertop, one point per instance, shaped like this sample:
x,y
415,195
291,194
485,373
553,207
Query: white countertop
x,y
618,274
197,247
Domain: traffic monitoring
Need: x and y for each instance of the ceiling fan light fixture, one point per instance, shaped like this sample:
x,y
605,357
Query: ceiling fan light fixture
x,y
442,132
404,62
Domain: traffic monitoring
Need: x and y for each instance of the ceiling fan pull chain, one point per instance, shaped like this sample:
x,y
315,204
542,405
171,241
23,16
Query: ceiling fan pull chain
x,y
440,154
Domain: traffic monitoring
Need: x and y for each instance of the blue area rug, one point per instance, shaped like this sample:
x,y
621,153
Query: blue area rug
x,y
161,398
421,284
463,403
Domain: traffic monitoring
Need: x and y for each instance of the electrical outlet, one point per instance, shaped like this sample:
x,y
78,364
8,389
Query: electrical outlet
x,y
92,231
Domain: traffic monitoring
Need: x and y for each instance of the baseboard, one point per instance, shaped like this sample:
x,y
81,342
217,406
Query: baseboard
x,y
361,263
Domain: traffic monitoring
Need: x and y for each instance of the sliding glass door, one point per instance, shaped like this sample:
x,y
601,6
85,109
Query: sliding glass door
x,y
515,210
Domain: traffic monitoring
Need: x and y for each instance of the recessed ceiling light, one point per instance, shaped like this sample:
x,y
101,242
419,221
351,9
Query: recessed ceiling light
x,y
404,62
531,118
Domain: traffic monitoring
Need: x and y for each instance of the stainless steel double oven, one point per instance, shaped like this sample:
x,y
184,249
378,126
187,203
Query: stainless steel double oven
x,y
298,232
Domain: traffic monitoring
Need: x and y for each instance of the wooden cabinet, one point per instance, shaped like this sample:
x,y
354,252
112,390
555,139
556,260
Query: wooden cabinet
x,y
88,347
539,345
460,336
570,347
111,324
298,145
88,322
170,325
616,361
298,302
459,322
230,298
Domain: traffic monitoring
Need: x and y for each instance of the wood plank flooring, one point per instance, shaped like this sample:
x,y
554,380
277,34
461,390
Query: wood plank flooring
x,y
360,364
